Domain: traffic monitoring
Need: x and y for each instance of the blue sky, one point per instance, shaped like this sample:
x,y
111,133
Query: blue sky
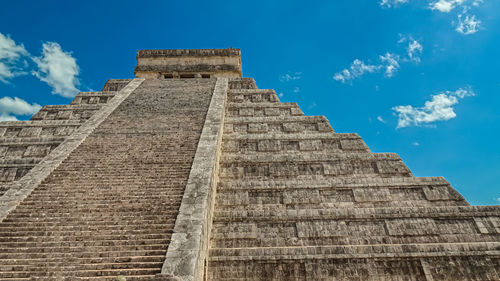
x,y
415,77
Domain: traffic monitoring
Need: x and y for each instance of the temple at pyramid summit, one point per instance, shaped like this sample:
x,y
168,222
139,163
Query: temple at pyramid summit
x,y
190,172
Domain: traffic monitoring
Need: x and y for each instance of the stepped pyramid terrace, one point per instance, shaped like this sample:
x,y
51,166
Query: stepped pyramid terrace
x,y
190,172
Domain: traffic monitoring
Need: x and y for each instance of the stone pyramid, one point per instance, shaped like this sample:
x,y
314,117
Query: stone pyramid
x,y
190,172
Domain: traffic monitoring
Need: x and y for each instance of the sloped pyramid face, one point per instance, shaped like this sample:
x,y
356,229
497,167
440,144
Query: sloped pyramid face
x,y
296,201
189,172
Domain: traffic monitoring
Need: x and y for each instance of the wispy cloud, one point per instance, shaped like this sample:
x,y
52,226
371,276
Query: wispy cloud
x,y
445,6
296,90
414,50
415,143
16,106
357,69
389,62
58,69
390,3
468,24
438,108
10,55
379,118
291,76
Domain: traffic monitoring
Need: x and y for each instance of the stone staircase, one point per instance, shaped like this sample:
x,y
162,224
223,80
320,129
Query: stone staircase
x,y
23,144
296,201
110,207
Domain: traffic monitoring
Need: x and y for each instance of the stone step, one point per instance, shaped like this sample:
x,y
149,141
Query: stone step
x,y
64,266
20,130
252,95
265,143
268,184
242,83
359,213
75,249
71,200
355,251
115,84
95,214
245,240
85,273
89,238
96,260
96,217
92,98
247,109
283,194
31,141
83,255
97,205
52,244
7,162
81,227
128,221
416,268
312,164
276,125
66,112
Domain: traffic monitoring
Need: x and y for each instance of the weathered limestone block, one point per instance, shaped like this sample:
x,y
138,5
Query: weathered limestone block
x,y
301,197
272,111
293,127
269,145
310,145
30,132
441,192
246,112
411,226
7,174
391,167
488,225
233,199
371,194
295,111
37,151
352,144
257,128
64,115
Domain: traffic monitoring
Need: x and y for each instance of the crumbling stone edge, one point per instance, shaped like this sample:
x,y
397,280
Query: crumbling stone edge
x,y
19,190
188,249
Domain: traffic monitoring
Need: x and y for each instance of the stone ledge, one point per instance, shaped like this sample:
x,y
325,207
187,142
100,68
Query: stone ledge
x,y
230,52
363,251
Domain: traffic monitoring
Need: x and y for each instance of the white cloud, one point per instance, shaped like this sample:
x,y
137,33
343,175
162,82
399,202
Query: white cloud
x,y
414,50
16,106
58,69
439,108
290,76
468,25
498,199
391,63
296,90
357,69
415,143
379,118
10,53
390,3
445,6
280,95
